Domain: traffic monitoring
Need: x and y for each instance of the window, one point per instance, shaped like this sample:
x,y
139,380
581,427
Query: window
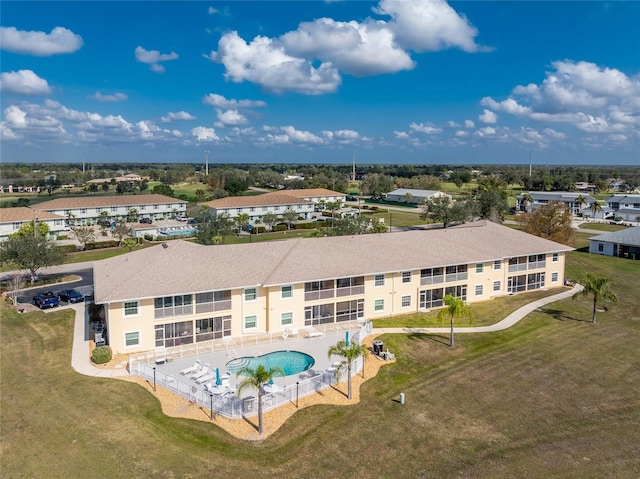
x,y
156,207
496,285
250,294
286,292
478,290
114,209
213,301
555,258
174,334
497,264
600,247
379,280
17,225
406,276
250,322
173,306
131,308
131,339
143,207
378,305
479,268
457,291
83,211
406,301
213,328
286,319
431,298
554,277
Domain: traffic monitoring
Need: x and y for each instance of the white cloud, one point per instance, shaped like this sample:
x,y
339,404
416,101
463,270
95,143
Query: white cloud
x,y
461,133
402,135
469,124
265,62
486,131
432,25
509,106
173,116
40,44
488,117
204,134
231,117
301,136
212,11
220,101
429,128
116,97
153,58
453,124
23,82
21,124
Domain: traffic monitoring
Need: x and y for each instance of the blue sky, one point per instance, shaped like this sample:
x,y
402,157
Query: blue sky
x,y
393,81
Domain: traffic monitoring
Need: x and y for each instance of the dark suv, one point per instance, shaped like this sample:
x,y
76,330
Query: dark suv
x,y
146,220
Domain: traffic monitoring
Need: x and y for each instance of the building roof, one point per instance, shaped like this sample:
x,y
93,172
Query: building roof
x,y
23,213
413,192
269,199
558,196
621,198
629,236
182,267
307,193
106,201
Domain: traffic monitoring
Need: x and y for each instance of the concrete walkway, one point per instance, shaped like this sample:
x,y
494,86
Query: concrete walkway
x,y
80,360
507,322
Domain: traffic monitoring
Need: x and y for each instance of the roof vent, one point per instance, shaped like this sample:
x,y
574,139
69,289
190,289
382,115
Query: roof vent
x,y
165,245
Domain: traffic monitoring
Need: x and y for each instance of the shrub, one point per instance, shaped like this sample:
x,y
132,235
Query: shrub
x,y
279,228
67,248
258,229
101,355
62,237
101,245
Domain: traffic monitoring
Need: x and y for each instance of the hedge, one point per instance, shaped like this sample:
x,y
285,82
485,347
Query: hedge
x,y
101,355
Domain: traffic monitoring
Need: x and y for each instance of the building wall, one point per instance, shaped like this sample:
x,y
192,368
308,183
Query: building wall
x,y
56,227
91,215
602,247
257,212
269,305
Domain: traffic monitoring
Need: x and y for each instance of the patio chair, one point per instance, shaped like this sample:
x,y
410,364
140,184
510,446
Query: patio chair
x,y
191,369
201,373
206,377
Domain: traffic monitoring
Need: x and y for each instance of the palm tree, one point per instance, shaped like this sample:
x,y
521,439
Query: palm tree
x,y
599,287
256,378
580,200
350,352
525,201
456,308
596,207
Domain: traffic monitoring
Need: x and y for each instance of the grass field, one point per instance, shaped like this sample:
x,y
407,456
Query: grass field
x,y
554,396
601,227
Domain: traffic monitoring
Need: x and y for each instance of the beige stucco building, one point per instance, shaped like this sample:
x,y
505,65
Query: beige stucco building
x,y
183,293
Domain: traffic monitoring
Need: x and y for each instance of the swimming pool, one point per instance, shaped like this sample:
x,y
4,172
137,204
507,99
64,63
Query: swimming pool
x,y
292,362
176,232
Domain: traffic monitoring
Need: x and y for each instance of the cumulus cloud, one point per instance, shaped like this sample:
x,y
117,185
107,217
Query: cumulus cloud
x,y
231,117
116,97
204,134
179,116
453,124
153,58
401,135
220,101
23,82
301,136
20,123
488,117
341,136
428,129
469,124
41,44
212,11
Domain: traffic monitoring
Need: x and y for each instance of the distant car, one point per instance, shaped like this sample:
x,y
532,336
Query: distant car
x,y
46,299
146,220
192,221
104,223
181,218
71,296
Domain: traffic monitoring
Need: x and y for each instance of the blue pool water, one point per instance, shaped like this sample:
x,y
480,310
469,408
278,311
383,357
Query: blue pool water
x,y
176,233
292,362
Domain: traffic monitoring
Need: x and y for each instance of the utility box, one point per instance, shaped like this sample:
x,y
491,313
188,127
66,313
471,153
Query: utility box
x,y
377,347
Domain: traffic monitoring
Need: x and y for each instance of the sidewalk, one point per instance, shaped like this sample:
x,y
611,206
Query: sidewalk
x,y
506,323
80,361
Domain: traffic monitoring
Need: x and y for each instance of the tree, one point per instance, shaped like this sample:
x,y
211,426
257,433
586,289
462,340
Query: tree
x,y
289,216
599,288
31,253
596,207
257,378
456,308
105,186
14,284
580,200
242,220
42,229
210,227
492,204
163,189
120,231
551,221
269,219
525,201
84,235
132,215
130,244
376,185
93,187
408,197
350,352
442,209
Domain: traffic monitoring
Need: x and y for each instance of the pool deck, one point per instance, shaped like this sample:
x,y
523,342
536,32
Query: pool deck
x,y
316,347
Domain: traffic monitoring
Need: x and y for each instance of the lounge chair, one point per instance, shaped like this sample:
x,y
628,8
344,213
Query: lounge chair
x,y
201,373
206,377
313,333
191,369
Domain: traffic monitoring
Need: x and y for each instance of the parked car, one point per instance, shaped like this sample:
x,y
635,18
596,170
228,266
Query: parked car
x,y
46,299
71,296
146,220
181,218
105,223
192,221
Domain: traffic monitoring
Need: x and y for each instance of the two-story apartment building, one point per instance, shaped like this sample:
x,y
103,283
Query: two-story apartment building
x,y
258,206
12,219
413,196
88,209
570,199
624,205
185,293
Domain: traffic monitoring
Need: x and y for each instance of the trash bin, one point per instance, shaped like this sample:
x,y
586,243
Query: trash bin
x,y
377,347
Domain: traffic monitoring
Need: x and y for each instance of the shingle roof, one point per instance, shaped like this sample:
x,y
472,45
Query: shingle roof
x,y
184,267
258,200
629,236
307,192
620,198
558,196
22,213
106,201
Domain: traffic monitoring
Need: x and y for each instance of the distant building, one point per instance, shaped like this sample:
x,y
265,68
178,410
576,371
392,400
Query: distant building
x,y
118,179
623,244
625,206
407,195
569,198
12,219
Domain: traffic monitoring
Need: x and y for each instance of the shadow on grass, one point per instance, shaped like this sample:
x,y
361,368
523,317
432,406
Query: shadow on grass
x,y
562,315
438,338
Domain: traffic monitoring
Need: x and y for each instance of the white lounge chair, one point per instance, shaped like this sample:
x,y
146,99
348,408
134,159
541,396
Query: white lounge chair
x,y
191,369
205,378
313,333
201,373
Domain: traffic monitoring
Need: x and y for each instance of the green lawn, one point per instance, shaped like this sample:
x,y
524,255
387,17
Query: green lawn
x,y
601,227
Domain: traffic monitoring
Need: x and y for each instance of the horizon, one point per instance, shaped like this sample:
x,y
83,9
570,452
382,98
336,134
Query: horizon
x,y
395,82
